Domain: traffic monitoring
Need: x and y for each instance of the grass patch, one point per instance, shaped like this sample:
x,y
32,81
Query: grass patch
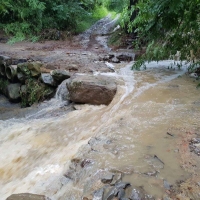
x,y
97,14
100,12
34,92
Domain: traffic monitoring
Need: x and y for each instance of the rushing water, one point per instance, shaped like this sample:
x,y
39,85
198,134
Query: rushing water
x,y
36,149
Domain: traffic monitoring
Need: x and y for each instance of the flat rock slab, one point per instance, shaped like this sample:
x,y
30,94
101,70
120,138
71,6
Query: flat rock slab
x,y
27,196
91,89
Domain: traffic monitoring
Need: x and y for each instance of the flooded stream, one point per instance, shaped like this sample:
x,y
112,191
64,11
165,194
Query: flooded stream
x,y
37,147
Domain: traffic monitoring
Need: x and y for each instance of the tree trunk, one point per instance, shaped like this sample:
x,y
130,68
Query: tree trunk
x,y
134,14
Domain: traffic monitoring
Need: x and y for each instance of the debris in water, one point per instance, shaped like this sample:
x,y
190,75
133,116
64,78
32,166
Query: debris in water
x,y
153,173
194,145
159,159
27,196
170,134
166,185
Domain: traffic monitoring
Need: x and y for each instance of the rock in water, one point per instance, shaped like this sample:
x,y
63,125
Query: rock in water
x,y
107,178
111,194
194,75
136,195
48,79
91,89
27,196
13,92
98,195
60,75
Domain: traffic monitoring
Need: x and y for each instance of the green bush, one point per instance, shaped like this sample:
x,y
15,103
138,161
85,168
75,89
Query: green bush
x,y
164,27
34,92
28,18
24,19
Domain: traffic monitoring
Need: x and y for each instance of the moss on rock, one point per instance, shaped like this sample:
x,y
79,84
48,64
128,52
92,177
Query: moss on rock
x,y
34,91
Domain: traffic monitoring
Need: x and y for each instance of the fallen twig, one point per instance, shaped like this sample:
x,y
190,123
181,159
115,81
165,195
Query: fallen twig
x,y
170,134
159,159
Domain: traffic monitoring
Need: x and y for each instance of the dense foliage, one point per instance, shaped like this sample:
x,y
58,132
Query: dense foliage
x,y
28,17
165,27
34,92
33,18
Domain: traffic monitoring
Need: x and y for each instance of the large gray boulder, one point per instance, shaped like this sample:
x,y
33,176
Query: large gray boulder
x,y
27,196
91,89
13,92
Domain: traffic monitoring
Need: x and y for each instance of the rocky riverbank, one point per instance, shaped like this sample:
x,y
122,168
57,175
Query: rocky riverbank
x,y
30,82
25,81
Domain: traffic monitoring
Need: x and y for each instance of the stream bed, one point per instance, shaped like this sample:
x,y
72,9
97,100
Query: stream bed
x,y
138,134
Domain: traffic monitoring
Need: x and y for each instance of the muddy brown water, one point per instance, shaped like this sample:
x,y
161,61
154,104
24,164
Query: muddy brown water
x,y
35,153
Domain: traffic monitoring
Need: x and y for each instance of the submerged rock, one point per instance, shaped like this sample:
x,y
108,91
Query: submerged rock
x,y
91,89
166,185
107,178
121,193
122,185
155,162
98,194
137,194
111,193
27,196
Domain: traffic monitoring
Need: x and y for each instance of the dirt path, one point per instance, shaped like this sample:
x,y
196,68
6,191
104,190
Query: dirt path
x,y
78,53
